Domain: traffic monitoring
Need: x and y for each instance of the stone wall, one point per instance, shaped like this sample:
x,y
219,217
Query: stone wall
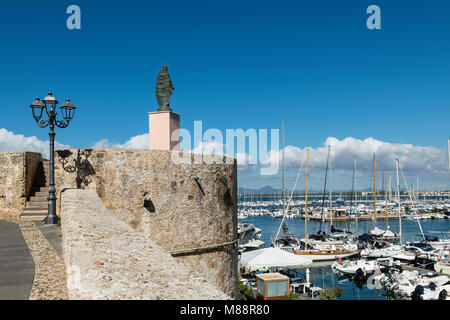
x,y
106,259
17,171
178,206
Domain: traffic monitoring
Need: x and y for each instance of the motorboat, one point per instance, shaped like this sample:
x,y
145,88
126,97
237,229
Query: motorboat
x,y
432,292
381,249
350,267
423,250
437,243
249,237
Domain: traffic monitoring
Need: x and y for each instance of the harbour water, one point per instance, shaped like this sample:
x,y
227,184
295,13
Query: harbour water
x,y
321,274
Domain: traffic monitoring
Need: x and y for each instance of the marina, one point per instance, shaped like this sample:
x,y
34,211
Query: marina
x,y
342,240
228,153
323,276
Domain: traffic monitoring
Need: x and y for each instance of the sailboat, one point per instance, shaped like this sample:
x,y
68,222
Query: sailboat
x,y
382,248
284,241
341,238
447,204
310,248
385,235
354,209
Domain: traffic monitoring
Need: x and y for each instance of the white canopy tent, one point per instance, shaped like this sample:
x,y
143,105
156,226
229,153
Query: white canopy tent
x,y
272,257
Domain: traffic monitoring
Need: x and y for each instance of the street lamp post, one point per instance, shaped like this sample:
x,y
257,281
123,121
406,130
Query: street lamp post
x,y
68,110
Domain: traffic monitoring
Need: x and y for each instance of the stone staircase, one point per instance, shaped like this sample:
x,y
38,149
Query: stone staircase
x,y
36,208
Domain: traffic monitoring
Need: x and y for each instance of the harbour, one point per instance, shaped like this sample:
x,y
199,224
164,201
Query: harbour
x,y
322,275
222,155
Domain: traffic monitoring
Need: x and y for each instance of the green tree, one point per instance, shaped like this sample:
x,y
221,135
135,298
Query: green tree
x,y
246,292
291,296
331,294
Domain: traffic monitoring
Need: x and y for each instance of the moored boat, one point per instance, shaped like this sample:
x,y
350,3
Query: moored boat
x,y
442,266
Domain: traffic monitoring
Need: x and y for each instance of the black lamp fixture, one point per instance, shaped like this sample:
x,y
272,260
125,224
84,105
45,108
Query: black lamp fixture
x,y
49,103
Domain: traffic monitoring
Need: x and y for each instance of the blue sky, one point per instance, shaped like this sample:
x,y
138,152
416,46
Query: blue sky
x,y
234,64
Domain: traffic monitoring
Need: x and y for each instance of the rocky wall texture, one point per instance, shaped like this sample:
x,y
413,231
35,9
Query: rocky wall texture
x,y
17,171
179,206
107,259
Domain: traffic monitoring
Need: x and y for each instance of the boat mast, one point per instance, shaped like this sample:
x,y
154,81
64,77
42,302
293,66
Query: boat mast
x,y
412,205
324,188
418,194
331,197
282,163
353,185
390,188
385,195
448,150
306,198
374,196
399,203
354,190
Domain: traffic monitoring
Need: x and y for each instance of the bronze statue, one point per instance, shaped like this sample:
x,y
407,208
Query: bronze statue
x,y
164,89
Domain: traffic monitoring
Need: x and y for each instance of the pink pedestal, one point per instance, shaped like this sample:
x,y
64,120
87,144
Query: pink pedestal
x,y
161,126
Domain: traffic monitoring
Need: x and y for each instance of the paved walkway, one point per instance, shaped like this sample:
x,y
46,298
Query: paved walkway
x,y
16,263
53,235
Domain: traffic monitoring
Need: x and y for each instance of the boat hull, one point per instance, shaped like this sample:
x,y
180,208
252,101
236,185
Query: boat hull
x,y
321,256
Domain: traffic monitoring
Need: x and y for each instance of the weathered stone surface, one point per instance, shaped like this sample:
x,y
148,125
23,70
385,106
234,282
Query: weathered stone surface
x,y
107,259
17,171
50,272
178,206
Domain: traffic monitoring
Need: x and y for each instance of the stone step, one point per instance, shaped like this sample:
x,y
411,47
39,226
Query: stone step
x,y
39,199
33,218
40,194
36,204
34,210
33,214
43,189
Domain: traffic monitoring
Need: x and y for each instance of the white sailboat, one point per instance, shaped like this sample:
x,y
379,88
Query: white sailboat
x,y
386,234
380,249
350,267
311,250
284,240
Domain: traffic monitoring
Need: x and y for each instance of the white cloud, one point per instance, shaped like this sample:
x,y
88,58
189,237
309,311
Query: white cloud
x,y
214,147
136,142
209,147
412,159
206,147
9,141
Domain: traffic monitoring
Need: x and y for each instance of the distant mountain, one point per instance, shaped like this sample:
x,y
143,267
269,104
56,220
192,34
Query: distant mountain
x,y
268,190
263,190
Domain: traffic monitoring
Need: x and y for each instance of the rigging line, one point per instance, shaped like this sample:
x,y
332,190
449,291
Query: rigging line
x,y
292,193
412,204
324,189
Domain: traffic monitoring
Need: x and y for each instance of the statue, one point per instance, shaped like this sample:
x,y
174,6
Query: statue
x,y
164,89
